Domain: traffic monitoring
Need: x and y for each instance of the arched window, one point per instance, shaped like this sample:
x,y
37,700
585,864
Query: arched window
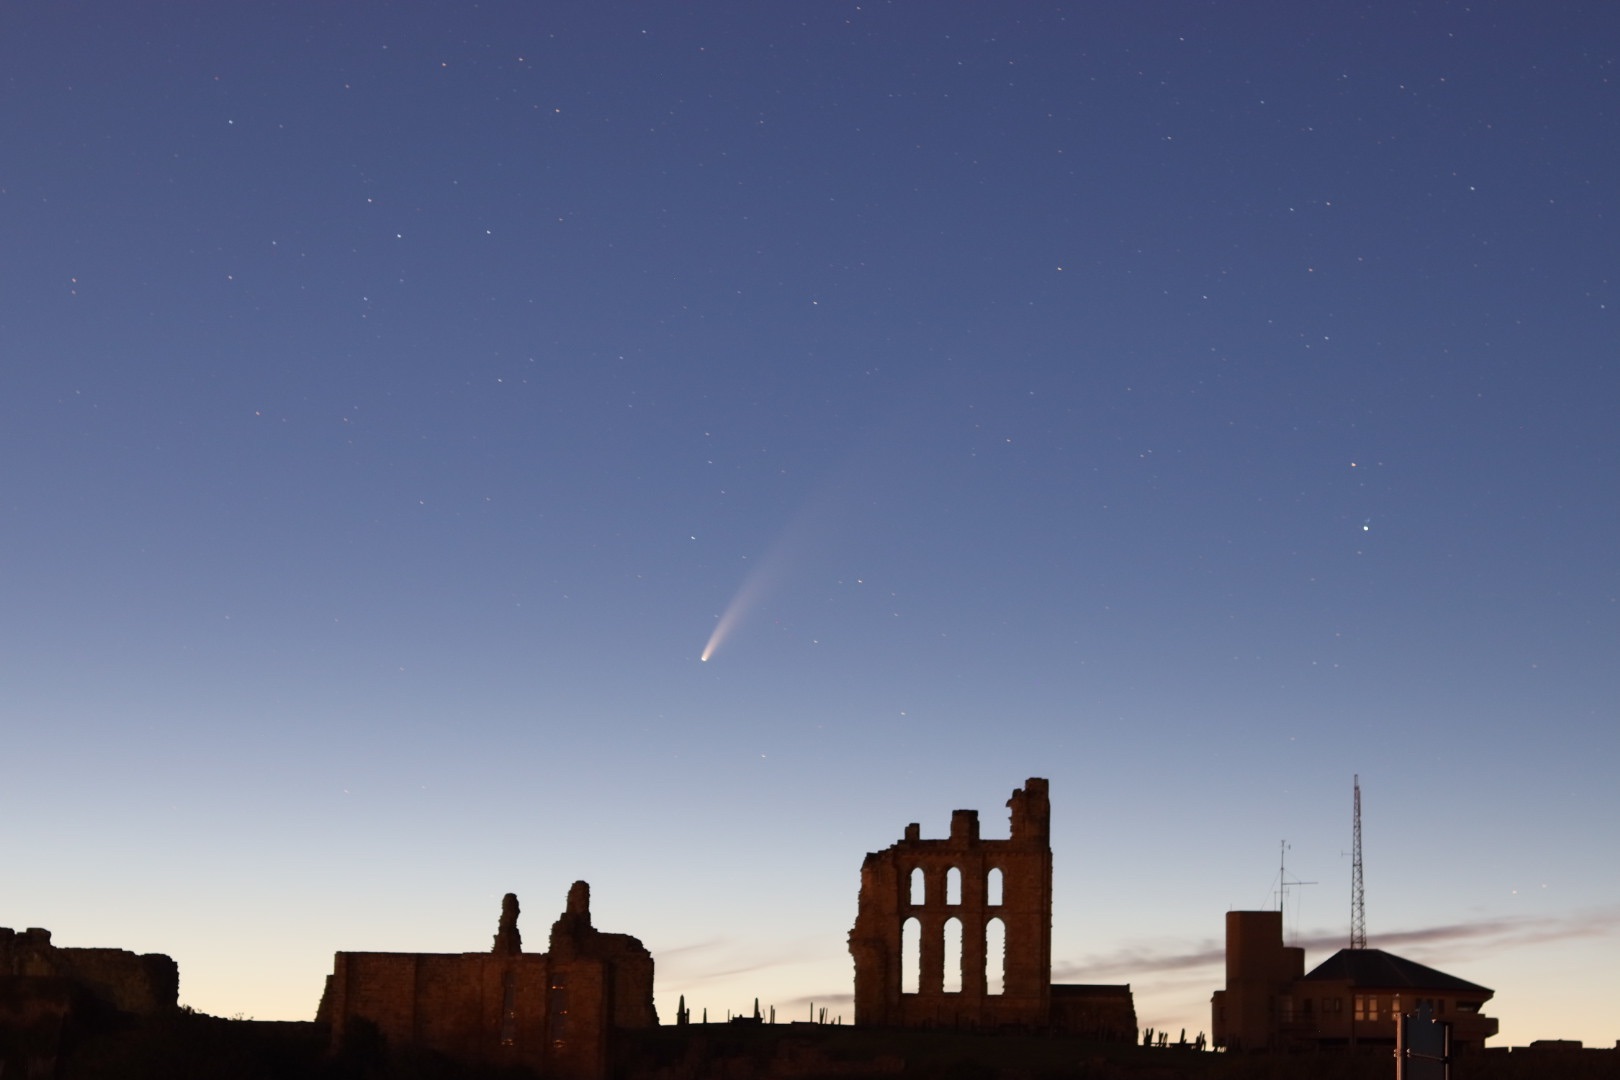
x,y
953,886
919,891
910,956
995,957
992,887
953,956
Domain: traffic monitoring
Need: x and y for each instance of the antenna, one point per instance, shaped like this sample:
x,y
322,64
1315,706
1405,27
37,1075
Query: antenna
x,y
1283,882
1358,893
1282,875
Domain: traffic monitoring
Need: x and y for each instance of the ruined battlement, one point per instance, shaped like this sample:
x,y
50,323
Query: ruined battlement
x,y
129,982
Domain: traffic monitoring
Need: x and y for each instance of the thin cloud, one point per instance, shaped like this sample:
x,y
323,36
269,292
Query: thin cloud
x,y
1495,934
833,1002
1141,959
719,958
700,946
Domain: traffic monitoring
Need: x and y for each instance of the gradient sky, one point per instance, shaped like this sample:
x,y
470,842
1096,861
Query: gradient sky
x,y
1196,404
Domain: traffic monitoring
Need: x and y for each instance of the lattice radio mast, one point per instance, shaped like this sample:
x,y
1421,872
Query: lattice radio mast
x,y
1358,894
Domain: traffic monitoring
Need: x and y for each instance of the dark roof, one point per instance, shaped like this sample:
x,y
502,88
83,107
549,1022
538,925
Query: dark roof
x,y
1377,969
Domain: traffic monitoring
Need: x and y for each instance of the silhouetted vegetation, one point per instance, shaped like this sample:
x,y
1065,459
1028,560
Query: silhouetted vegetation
x,y
186,1045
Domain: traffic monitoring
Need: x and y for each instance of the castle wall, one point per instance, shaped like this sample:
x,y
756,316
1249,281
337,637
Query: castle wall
x,y
552,1012
140,984
1104,1013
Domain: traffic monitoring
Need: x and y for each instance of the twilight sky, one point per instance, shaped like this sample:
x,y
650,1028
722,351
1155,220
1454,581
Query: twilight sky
x,y
1195,404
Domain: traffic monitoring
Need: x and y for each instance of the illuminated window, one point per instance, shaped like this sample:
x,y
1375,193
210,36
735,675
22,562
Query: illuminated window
x,y
1361,1008
953,956
953,886
992,887
508,1010
910,956
557,1010
995,957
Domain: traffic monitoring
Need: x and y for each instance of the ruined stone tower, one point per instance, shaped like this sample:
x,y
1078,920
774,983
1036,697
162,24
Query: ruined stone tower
x,y
967,889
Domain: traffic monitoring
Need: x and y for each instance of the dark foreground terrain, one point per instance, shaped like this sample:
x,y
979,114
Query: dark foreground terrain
x,y
192,1046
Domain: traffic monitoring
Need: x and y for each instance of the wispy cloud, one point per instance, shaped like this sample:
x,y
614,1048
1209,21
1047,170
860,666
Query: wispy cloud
x,y
743,969
834,1002
720,958
665,953
1512,931
1482,935
1137,958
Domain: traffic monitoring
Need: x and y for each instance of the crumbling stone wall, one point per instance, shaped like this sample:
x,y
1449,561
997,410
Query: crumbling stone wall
x,y
552,1012
35,1013
1024,910
140,984
629,964
1106,1013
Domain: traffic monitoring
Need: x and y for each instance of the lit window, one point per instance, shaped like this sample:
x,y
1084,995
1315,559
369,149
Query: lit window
x,y
557,1016
508,1010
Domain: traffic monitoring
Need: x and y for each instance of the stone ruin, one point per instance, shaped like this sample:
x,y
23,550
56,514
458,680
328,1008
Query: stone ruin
x,y
143,985
554,1012
969,890
46,991
950,933
508,941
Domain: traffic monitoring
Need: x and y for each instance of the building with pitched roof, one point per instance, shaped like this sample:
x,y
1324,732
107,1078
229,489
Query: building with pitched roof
x,y
1353,998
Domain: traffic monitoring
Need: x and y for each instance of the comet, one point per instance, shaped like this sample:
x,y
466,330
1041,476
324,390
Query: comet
x,y
808,531
755,586
803,535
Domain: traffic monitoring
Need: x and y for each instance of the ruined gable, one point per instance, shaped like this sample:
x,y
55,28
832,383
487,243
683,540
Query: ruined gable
x,y
975,890
958,933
